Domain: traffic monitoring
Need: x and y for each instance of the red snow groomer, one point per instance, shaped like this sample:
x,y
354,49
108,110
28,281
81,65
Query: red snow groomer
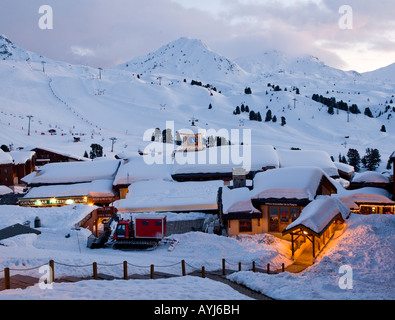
x,y
142,232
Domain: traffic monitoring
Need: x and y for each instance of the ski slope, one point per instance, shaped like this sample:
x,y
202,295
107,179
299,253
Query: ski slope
x,y
126,101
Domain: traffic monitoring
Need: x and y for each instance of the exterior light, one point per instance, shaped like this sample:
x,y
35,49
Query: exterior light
x,y
38,203
53,201
69,201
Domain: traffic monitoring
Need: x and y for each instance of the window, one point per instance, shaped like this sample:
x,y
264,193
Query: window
x,y
158,223
281,217
145,223
245,225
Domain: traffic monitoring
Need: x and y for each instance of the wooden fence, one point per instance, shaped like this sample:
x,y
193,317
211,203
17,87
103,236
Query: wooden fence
x,y
253,266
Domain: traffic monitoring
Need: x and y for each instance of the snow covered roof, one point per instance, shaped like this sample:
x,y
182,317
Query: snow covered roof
x,y
162,196
318,214
5,157
97,188
66,154
136,169
224,158
370,177
351,198
288,183
237,200
76,172
5,190
21,157
346,168
313,158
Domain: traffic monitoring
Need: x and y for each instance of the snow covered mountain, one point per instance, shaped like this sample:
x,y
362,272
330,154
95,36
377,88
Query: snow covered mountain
x,y
102,104
185,57
10,51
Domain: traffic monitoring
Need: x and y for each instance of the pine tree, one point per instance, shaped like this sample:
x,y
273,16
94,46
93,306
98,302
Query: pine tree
x,y
258,117
252,115
96,151
268,116
372,159
383,129
86,154
331,111
283,121
368,113
354,159
274,119
210,106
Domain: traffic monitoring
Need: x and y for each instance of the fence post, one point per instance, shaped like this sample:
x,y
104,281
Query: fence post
x,y
183,267
125,270
239,266
268,268
253,266
152,271
283,267
223,267
203,272
51,271
7,282
95,270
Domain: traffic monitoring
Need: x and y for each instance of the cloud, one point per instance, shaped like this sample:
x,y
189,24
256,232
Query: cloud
x,y
82,52
105,33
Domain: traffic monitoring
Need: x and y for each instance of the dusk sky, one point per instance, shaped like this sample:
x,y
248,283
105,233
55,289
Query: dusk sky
x,y
103,33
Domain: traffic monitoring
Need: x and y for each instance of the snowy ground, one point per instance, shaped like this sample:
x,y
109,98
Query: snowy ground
x,y
367,245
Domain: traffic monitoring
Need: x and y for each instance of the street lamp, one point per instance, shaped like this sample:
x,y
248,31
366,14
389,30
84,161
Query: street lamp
x,y
28,131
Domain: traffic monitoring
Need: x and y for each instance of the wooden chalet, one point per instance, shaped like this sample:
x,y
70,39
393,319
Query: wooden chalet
x,y
392,159
59,184
15,165
46,155
276,200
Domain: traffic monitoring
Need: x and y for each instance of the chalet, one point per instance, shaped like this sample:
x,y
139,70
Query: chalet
x,y
24,164
368,200
370,179
315,226
58,184
7,175
46,155
392,159
276,200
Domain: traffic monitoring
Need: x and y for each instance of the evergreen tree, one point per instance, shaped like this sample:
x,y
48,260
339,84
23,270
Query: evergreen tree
x,y
383,129
252,115
237,110
86,154
96,151
268,116
354,159
283,121
5,148
372,159
368,113
210,106
258,117
274,119
331,111
248,90
247,109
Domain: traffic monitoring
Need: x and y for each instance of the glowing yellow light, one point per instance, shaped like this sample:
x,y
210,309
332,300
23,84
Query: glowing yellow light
x,y
69,201
38,203
53,201
304,232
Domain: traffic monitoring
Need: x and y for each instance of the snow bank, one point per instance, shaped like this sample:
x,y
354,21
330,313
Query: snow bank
x,y
367,246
